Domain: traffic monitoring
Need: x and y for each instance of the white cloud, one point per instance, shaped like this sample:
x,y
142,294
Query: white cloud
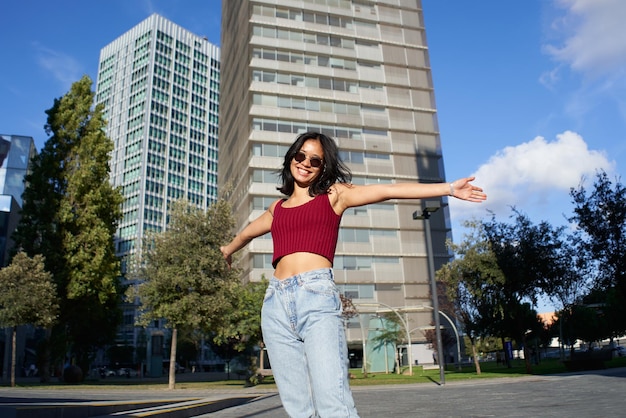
x,y
592,36
533,176
60,66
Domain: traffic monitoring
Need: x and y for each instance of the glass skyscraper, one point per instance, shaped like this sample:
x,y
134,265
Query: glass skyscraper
x,y
159,85
358,71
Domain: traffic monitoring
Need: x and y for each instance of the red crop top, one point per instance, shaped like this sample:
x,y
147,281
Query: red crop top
x,y
312,227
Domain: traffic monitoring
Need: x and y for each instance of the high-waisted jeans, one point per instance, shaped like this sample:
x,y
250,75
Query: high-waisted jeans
x,y
306,342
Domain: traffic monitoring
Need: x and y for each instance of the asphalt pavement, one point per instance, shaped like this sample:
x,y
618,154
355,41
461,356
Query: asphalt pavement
x,y
600,393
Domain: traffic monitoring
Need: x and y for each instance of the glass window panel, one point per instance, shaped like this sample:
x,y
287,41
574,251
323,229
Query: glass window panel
x,y
269,32
269,77
321,19
348,43
313,105
284,102
326,107
361,235
269,101
366,291
325,83
284,127
269,55
270,150
339,85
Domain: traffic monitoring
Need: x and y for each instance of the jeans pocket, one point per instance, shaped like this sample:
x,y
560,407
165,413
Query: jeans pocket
x,y
269,292
320,286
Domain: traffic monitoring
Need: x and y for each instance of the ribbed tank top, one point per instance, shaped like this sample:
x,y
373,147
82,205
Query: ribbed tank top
x,y
312,227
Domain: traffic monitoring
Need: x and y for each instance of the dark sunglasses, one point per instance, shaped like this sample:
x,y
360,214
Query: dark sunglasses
x,y
315,162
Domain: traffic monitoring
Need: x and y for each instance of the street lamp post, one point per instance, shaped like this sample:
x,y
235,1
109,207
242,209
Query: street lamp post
x,y
428,209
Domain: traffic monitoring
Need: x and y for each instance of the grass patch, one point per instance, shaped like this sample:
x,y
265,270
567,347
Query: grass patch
x,y
489,369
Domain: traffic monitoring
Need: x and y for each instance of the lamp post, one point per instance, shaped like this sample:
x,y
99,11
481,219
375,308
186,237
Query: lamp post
x,y
430,207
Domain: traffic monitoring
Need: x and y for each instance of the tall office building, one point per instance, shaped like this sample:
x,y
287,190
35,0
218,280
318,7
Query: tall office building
x,y
358,71
159,84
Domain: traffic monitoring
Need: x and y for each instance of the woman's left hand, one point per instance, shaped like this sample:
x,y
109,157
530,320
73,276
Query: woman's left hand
x,y
463,189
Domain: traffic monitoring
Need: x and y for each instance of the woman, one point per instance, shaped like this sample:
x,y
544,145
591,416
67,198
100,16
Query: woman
x,y
301,315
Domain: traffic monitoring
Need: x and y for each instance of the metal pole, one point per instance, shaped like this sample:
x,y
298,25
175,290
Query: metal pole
x,y
364,356
435,301
458,340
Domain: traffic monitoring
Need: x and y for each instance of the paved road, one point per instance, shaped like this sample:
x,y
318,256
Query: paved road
x,y
586,394
590,394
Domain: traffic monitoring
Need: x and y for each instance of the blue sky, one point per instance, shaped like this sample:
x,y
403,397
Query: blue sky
x,y
531,95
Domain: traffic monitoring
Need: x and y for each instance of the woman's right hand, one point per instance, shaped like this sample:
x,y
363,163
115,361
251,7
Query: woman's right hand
x,y
227,257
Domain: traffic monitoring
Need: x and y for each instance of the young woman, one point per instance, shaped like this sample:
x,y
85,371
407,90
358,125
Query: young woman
x,y
301,315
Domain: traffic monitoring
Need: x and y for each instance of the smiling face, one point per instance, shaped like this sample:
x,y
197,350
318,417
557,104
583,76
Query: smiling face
x,y
304,172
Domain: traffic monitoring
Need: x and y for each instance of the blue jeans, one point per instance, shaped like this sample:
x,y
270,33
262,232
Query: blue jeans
x,y
306,342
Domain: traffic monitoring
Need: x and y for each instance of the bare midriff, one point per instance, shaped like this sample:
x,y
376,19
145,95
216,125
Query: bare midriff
x,y
297,263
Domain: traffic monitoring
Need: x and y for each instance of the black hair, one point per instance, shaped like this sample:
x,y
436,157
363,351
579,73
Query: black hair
x,y
333,169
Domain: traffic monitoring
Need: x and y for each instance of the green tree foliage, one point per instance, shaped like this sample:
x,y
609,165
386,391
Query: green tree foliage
x,y
184,278
28,297
70,216
473,279
240,332
600,214
528,256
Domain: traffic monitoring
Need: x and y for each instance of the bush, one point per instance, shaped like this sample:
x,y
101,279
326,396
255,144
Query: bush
x,y
72,374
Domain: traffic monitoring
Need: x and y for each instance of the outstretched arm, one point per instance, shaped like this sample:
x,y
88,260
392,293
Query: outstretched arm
x,y
354,195
256,228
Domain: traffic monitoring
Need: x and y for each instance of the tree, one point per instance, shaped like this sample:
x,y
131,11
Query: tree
x,y
28,297
528,256
70,215
240,330
471,281
601,216
184,278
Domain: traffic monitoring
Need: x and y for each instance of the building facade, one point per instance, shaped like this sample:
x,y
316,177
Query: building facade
x,y
159,85
16,152
358,71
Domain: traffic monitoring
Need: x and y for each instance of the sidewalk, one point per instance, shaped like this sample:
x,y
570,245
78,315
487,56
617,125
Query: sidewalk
x,y
588,394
